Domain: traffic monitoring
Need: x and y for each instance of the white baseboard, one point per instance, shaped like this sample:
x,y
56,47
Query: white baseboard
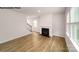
x,y
6,40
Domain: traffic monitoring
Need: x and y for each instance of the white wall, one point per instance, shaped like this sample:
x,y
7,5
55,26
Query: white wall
x,y
59,27
12,25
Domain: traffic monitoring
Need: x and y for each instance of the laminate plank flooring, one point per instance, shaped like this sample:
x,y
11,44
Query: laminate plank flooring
x,y
35,43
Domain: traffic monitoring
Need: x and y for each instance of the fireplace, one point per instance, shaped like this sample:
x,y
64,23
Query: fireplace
x,y
45,32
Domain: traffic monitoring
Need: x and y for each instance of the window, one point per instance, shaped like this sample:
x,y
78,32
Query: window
x,y
35,23
73,24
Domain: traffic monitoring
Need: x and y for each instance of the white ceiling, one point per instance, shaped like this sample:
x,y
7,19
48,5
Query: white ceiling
x,y
33,11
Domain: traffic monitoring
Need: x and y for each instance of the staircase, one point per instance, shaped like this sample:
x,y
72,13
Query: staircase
x,y
29,27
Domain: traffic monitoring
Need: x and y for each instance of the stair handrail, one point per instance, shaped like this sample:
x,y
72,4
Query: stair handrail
x,y
30,26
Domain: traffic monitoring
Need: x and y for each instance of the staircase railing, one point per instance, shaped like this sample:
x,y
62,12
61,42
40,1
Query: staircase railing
x,y
29,27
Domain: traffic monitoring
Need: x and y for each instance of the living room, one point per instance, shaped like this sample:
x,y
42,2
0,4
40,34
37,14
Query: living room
x,y
42,28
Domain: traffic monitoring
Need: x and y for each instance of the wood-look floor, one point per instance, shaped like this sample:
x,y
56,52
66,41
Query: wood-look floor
x,y
35,43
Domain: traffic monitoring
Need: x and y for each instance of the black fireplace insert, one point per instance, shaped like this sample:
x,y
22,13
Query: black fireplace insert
x,y
45,32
